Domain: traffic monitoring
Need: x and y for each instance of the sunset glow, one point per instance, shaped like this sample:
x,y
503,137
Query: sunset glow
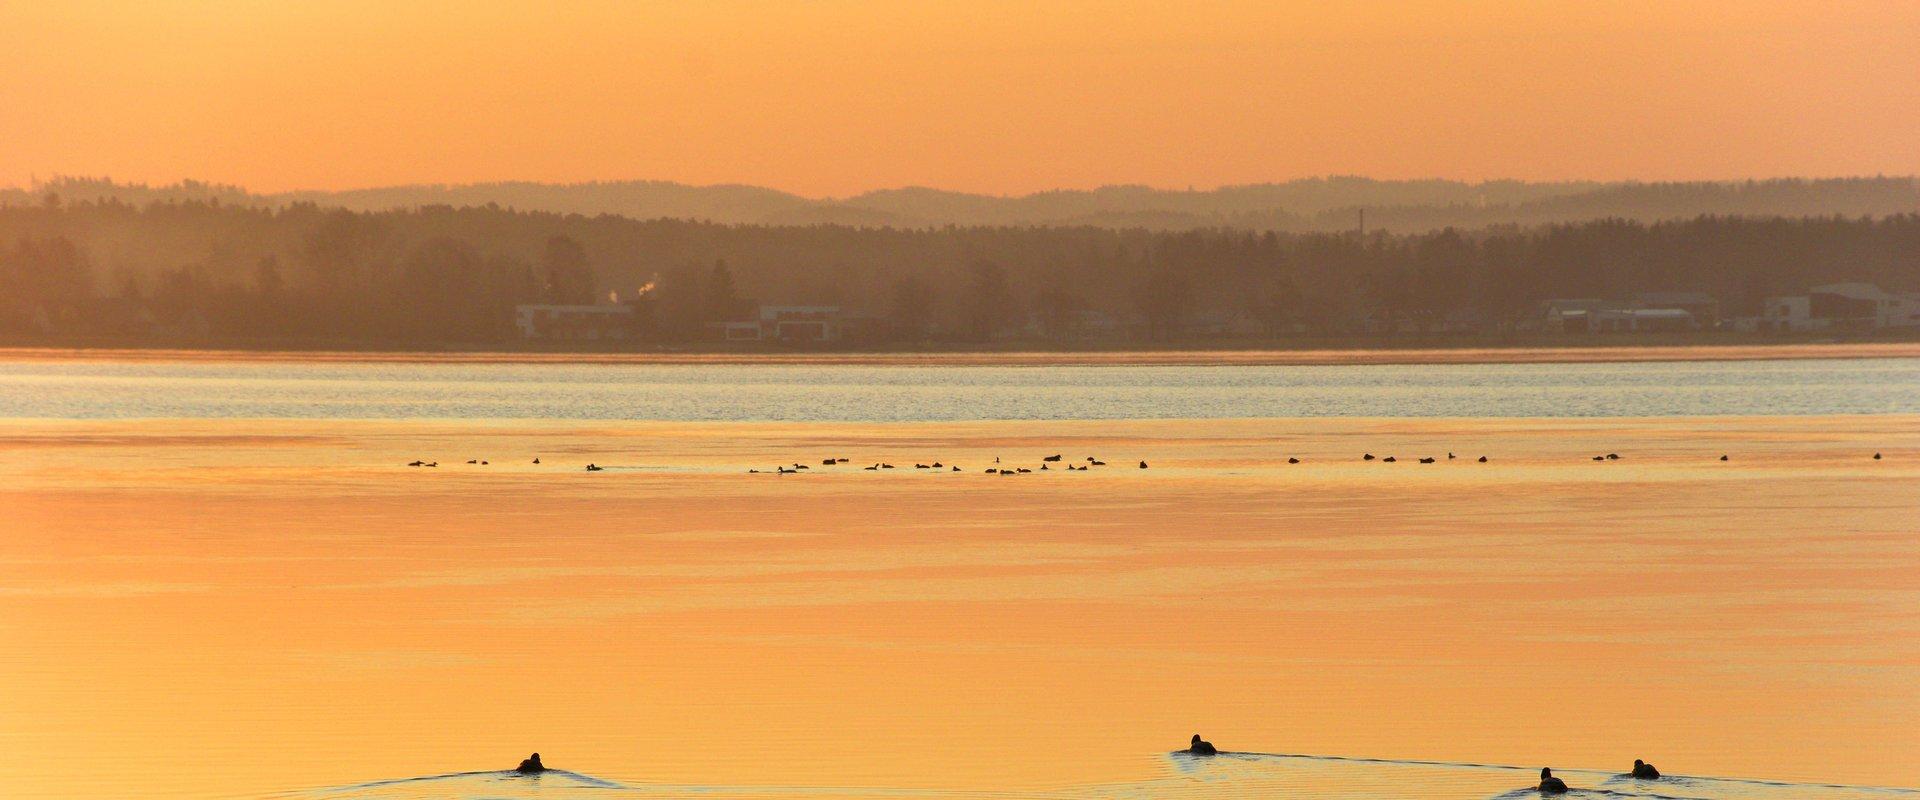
x,y
836,98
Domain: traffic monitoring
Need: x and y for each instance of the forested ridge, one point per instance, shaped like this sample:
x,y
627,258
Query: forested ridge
x,y
441,274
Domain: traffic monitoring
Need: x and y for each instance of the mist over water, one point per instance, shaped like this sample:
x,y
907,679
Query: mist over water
x,y
840,393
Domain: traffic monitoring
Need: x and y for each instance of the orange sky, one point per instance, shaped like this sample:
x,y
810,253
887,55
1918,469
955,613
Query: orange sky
x,y
836,97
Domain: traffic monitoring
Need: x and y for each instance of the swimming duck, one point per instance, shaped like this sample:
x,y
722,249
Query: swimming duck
x,y
1054,457
1201,747
1483,459
1645,771
594,467
1550,784
1389,460
1723,458
1428,460
1293,461
1143,465
1367,457
531,765
536,459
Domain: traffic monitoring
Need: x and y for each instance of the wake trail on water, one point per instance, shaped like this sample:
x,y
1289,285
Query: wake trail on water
x,y
1229,774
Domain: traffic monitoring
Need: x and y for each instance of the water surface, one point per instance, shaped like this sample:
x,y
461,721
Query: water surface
x,y
850,393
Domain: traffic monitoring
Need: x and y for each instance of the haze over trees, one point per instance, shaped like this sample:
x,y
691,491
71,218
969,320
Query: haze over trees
x,y
1308,205
221,272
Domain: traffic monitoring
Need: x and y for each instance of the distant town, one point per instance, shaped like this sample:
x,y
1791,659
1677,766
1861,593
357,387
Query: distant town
x,y
1839,308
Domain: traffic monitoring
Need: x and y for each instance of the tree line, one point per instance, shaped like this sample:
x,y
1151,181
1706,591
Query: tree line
x,y
210,271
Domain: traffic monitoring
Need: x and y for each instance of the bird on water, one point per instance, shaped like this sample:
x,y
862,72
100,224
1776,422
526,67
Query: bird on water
x,y
1645,771
1550,784
531,765
1201,747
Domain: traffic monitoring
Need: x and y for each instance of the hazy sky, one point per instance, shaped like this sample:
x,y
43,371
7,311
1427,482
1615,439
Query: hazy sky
x,y
838,97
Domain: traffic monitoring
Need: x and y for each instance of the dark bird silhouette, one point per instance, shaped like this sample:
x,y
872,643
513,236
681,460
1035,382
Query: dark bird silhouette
x,y
473,461
921,466
536,459
1449,455
1876,456
993,471
1428,460
956,469
1023,470
1293,461
872,468
1599,458
1389,460
417,464
1645,771
1723,458
1054,457
1367,457
531,765
827,462
1097,464
1143,465
594,467
1043,466
1613,456
1550,784
938,465
1090,458
884,465
1201,747
484,463
1483,459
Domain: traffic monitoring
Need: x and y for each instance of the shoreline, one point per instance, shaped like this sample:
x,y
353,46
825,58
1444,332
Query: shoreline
x,y
1169,358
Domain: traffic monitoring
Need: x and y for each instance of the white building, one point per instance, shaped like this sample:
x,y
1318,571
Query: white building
x,y
784,324
573,322
1863,304
1838,305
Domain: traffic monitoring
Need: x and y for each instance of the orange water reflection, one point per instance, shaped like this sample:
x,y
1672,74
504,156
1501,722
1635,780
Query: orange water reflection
x,y
205,608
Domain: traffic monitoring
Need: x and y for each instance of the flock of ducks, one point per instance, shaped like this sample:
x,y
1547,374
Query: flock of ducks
x,y
1046,463
1201,747
1548,783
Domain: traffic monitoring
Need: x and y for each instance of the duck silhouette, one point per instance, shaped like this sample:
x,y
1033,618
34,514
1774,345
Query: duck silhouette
x,y
531,765
1550,784
1201,747
1143,465
1645,771
1483,459
1293,461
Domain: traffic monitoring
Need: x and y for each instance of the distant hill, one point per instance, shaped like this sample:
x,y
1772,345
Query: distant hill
x,y
1313,204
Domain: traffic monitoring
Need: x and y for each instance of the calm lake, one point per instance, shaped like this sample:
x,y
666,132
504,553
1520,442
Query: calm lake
x,y
835,393
224,580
